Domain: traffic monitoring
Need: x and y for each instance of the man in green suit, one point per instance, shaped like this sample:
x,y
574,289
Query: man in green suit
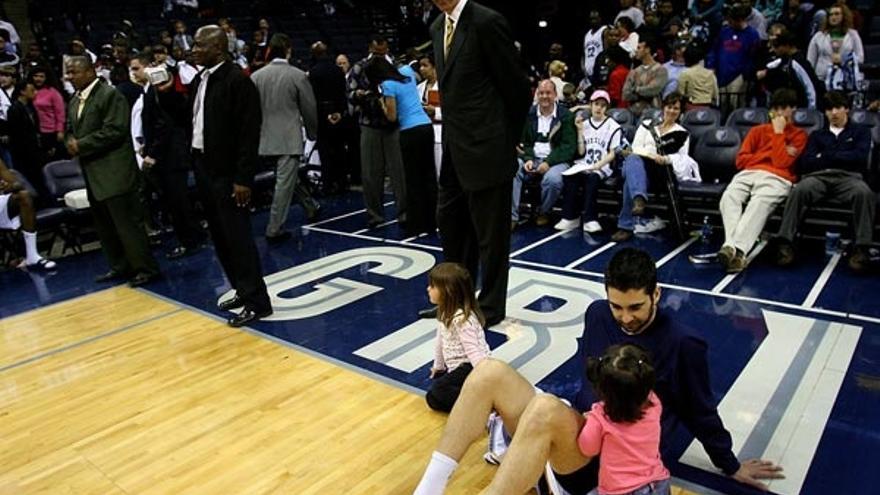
x,y
98,121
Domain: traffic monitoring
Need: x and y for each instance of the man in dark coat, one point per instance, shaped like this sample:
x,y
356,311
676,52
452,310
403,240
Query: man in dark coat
x,y
485,97
226,120
329,85
98,120
165,121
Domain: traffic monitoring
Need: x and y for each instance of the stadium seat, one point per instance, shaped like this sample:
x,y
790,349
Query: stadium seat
x,y
716,154
622,115
700,121
743,119
808,119
654,114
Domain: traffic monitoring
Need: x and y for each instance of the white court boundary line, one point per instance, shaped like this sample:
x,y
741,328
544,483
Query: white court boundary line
x,y
676,252
819,286
538,243
592,254
574,271
345,215
729,278
378,226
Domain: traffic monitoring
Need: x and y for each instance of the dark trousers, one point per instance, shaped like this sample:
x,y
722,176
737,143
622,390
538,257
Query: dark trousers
x,y
844,187
351,133
475,231
580,190
445,388
171,183
119,222
230,228
417,151
331,147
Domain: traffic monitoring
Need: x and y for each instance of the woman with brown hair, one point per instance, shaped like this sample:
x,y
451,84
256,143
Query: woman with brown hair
x,y
834,41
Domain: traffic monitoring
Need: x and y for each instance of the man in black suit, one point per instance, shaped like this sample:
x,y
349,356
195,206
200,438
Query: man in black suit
x,y
485,97
226,119
329,85
165,120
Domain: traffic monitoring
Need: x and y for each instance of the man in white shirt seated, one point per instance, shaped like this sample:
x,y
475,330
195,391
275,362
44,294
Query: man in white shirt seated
x,y
546,150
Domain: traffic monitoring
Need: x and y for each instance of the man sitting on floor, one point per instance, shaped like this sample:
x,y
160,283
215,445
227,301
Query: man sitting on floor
x,y
546,429
832,167
548,146
17,211
766,160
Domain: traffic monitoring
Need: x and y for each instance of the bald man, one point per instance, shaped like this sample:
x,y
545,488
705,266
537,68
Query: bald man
x,y
226,120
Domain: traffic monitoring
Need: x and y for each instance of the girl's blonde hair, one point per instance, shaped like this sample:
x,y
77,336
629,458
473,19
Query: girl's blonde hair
x,y
557,68
456,292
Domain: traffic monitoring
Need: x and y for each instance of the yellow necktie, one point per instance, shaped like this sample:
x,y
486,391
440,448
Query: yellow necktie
x,y
80,105
450,28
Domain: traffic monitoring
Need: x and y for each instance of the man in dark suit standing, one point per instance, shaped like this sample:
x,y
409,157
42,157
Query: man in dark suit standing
x,y
329,85
98,135
226,120
485,97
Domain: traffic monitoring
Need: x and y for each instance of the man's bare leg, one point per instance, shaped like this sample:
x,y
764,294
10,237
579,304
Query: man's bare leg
x,y
22,203
548,430
26,211
491,385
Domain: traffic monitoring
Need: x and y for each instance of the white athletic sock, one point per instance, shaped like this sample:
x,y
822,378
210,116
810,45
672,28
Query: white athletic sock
x,y
30,247
436,475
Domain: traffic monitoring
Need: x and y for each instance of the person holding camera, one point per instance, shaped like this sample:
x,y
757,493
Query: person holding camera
x,y
163,149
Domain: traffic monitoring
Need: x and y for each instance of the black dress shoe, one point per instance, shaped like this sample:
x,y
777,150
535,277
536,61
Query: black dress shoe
x,y
230,304
182,252
278,238
143,278
428,313
247,316
110,276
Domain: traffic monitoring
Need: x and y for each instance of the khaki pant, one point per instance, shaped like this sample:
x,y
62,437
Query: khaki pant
x,y
760,192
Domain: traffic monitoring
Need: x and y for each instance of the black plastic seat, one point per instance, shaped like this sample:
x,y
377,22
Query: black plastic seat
x,y
743,119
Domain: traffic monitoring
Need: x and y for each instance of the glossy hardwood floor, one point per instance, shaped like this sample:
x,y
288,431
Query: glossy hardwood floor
x,y
120,392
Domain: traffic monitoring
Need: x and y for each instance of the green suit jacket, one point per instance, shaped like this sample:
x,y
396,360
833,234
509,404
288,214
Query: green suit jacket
x,y
104,137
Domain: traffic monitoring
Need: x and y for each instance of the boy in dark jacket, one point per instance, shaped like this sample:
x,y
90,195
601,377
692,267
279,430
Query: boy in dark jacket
x,y
831,166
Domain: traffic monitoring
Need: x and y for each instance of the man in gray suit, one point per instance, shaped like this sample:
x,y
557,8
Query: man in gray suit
x,y
288,104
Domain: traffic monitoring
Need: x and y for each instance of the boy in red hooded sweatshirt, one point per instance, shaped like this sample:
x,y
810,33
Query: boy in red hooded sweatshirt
x,y
766,162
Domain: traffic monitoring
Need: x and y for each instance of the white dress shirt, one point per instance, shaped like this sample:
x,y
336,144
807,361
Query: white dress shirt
x,y
83,96
137,127
198,137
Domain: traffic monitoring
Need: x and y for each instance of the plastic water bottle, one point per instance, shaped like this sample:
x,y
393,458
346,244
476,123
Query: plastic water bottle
x,y
832,243
706,230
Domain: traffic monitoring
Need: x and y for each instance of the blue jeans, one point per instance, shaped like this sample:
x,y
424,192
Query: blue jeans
x,y
635,184
551,187
661,487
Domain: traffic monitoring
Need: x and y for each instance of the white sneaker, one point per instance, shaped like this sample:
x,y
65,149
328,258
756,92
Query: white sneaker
x,y
592,227
652,225
566,224
498,441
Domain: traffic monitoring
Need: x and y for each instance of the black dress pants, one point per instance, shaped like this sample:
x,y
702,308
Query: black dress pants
x,y
417,151
230,228
119,223
475,231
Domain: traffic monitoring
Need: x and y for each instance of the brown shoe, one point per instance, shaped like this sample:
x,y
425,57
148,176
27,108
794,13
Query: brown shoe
x,y
542,220
784,253
737,263
858,261
513,224
725,255
622,235
638,206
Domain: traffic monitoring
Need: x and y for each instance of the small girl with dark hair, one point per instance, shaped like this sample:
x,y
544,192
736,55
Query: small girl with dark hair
x,y
624,426
461,342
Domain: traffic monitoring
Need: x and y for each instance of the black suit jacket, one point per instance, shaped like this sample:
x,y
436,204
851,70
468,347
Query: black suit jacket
x,y
233,117
328,82
164,122
24,135
484,94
